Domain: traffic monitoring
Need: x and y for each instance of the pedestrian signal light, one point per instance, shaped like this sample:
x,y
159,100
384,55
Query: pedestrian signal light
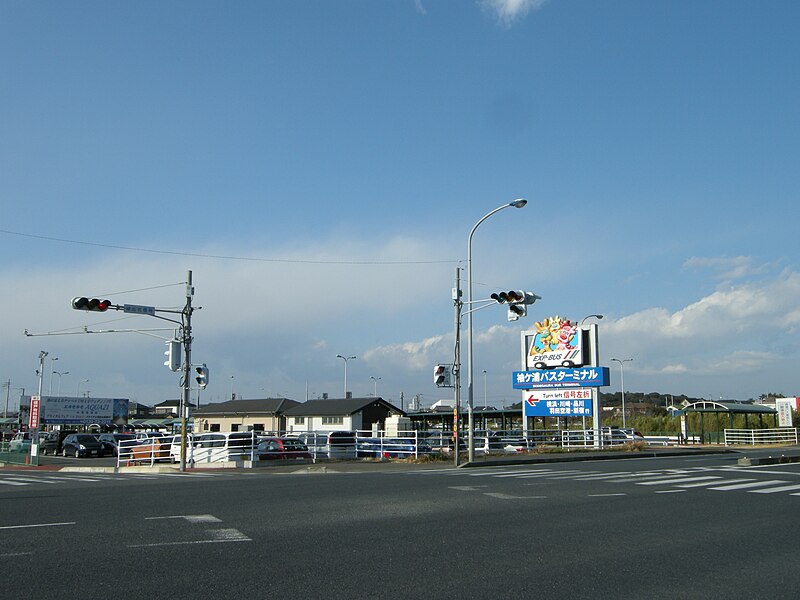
x,y
443,375
202,376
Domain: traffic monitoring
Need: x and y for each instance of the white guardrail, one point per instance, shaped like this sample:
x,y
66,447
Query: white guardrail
x,y
751,437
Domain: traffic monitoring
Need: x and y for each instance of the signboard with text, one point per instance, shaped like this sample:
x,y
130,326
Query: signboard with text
x,y
560,378
558,403
33,416
58,410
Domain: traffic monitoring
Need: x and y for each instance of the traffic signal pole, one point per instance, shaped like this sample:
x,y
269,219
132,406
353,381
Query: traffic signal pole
x,y
457,368
187,365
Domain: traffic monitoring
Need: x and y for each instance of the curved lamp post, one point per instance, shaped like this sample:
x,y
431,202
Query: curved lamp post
x,y
375,388
78,390
519,203
59,373
345,359
622,383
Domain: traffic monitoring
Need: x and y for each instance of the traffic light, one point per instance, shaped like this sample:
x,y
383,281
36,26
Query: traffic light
x,y
92,304
517,301
443,375
173,355
510,296
202,376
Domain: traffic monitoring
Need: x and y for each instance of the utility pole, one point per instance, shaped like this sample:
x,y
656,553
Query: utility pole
x,y
187,365
457,304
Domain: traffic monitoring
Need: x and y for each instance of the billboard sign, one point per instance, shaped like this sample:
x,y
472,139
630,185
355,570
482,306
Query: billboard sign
x,y
560,378
556,342
58,410
558,403
34,414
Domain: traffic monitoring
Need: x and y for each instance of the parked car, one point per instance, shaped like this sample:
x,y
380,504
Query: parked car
x,y
215,447
335,444
392,447
81,445
279,448
53,441
111,441
21,442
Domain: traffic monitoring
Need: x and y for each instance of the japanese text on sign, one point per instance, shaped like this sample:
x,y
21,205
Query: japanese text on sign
x,y
558,378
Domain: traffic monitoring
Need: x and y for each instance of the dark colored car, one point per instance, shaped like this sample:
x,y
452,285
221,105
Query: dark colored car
x,y
275,448
81,444
52,442
111,441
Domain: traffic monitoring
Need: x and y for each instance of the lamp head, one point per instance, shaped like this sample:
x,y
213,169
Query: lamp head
x,y
519,203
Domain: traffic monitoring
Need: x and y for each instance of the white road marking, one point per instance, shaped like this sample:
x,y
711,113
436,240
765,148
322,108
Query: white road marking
x,y
36,525
783,488
743,486
678,480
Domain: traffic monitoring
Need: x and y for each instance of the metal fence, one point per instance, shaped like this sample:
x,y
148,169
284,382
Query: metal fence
x,y
751,437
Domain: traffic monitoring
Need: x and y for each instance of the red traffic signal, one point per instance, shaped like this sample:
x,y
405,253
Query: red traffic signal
x,y
509,296
92,304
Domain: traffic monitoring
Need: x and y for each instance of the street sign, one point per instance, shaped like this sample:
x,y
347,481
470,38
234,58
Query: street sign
x,y
558,403
33,417
560,378
139,310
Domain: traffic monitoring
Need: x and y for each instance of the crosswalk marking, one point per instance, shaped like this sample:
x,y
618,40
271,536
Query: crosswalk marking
x,y
783,488
679,480
752,484
676,480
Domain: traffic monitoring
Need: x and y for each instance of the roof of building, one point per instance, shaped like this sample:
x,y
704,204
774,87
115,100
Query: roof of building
x,y
337,406
267,406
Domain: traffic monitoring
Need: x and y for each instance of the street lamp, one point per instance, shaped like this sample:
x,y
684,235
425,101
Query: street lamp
x,y
52,359
622,383
375,388
345,359
78,391
59,373
470,358
590,317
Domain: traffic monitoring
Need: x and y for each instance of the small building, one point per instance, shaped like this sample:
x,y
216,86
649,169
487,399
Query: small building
x,y
264,415
169,408
340,414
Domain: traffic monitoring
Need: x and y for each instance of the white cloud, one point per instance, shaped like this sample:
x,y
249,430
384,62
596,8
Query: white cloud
x,y
736,267
507,12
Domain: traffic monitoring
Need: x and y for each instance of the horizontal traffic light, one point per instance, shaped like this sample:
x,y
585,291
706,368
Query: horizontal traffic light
x,y
91,304
509,296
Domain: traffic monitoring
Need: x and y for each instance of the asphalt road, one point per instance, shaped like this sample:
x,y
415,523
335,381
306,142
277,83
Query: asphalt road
x,y
682,527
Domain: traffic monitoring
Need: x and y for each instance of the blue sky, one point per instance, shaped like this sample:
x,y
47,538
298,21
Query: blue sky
x,y
319,165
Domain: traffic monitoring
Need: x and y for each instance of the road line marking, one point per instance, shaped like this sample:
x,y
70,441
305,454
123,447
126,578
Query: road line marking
x,y
605,495
674,481
190,518
509,496
30,479
707,483
36,525
743,486
467,488
8,482
669,491
784,488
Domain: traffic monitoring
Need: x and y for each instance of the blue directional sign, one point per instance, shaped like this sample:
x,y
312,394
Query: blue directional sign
x,y
560,378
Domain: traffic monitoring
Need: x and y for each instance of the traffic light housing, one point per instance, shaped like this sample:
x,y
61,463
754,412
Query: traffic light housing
x,y
202,376
517,301
90,304
173,355
443,375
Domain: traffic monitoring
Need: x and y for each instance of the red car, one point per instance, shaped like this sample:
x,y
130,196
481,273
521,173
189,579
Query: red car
x,y
277,448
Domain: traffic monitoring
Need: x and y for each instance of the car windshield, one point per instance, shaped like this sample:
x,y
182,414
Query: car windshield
x,y
86,439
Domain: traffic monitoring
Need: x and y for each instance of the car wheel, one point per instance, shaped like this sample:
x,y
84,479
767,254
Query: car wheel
x,y
568,363
77,453
44,452
539,365
64,453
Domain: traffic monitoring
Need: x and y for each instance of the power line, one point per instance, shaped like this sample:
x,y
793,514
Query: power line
x,y
229,257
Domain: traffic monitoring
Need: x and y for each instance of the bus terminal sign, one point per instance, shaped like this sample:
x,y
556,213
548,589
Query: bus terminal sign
x,y
560,378
558,403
